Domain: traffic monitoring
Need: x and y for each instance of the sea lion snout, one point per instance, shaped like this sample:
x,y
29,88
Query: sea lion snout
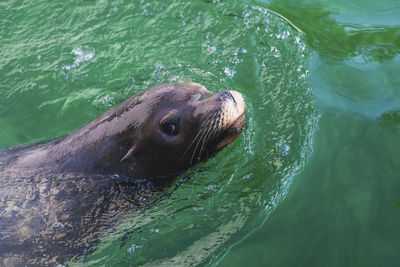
x,y
239,101
232,117
234,107
227,95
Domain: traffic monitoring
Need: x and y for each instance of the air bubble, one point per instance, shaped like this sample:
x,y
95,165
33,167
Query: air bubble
x,y
133,248
197,208
229,72
83,54
284,149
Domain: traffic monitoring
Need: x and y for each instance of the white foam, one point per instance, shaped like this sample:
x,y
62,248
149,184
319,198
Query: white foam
x,y
83,54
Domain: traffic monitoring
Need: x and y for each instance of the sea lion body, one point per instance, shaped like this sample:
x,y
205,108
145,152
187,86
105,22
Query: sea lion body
x,y
57,197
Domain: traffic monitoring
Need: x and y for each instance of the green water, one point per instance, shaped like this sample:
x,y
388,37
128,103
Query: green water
x,y
314,180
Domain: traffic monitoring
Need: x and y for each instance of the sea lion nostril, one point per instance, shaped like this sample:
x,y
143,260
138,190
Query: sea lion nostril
x,y
227,95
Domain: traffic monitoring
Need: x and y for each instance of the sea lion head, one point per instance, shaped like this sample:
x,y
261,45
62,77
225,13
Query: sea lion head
x,y
185,124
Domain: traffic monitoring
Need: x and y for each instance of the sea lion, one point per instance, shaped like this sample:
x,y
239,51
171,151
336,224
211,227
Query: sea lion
x,y
58,197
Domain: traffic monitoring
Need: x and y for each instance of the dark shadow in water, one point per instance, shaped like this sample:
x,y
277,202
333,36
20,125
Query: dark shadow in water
x,y
397,203
391,120
335,39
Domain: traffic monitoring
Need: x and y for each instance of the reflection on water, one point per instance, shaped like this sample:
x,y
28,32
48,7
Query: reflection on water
x,y
332,38
356,64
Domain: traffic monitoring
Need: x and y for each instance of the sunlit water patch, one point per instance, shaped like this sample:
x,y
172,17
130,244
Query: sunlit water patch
x,y
122,48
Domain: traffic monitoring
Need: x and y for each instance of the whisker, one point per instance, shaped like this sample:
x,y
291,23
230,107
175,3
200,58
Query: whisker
x,y
203,141
217,130
210,118
200,131
208,136
190,145
195,149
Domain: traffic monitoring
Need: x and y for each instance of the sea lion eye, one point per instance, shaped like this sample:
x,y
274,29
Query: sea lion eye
x,y
170,127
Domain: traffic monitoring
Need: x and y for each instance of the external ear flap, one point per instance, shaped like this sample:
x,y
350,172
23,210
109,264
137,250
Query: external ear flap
x,y
129,153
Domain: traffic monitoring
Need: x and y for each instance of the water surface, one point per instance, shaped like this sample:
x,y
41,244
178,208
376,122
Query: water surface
x,y
321,87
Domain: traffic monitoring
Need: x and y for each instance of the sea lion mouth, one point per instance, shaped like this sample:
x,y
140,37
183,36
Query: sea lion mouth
x,y
239,122
230,133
